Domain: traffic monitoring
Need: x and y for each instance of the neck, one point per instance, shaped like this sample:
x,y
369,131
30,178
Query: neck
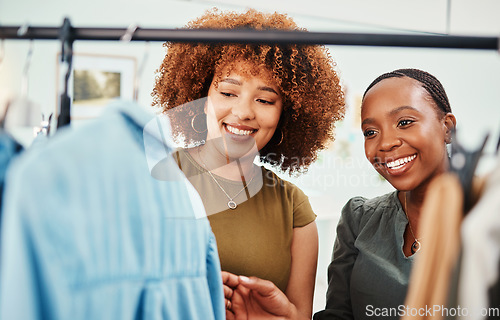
x,y
416,196
412,214
414,199
233,169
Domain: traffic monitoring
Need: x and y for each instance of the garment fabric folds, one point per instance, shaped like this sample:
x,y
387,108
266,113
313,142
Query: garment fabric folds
x,y
9,149
479,268
441,216
90,234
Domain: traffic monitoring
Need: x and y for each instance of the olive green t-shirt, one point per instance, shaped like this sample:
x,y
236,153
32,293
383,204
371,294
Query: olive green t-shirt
x,y
255,238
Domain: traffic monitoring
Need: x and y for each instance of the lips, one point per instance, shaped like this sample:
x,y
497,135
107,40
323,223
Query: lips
x,y
239,130
400,162
397,166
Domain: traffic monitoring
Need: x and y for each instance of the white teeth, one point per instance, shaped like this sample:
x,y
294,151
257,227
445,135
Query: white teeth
x,y
238,131
400,162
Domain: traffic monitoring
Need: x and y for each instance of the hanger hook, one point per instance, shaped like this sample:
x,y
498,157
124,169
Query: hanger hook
x,y
127,37
23,30
464,163
66,35
26,69
137,82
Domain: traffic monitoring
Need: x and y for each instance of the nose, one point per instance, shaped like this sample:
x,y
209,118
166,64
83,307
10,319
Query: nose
x,y
243,109
389,141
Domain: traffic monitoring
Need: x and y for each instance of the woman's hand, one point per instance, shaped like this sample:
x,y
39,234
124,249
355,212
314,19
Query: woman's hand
x,y
230,283
261,300
256,298
253,298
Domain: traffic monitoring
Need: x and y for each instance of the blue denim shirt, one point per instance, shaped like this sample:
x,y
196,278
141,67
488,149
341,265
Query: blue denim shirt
x,y
9,148
88,233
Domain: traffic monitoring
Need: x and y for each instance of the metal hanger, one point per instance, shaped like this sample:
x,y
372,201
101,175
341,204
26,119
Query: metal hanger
x,y
140,71
129,34
26,69
127,37
464,162
66,35
24,78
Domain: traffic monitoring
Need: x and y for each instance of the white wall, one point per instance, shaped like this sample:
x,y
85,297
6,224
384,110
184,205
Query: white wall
x,y
471,78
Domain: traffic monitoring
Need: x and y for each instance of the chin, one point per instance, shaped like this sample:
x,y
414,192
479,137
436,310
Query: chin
x,y
240,150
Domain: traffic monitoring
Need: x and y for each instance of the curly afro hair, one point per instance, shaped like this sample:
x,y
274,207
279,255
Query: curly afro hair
x,y
310,87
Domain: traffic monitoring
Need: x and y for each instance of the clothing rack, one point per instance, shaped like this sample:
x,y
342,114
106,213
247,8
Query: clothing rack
x,y
257,36
67,34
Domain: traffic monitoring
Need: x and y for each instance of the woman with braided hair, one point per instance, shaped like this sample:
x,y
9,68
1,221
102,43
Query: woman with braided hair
x,y
231,103
407,122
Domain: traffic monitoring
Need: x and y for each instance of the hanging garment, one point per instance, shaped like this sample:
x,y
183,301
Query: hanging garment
x,y
494,298
431,276
90,234
9,148
481,252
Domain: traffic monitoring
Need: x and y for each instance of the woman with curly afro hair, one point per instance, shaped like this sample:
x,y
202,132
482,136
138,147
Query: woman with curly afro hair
x,y
228,104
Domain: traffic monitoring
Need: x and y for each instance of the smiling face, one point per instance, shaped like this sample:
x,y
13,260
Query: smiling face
x,y
405,134
243,111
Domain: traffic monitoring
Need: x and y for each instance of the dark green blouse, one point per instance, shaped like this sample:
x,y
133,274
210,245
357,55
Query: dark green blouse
x,y
368,275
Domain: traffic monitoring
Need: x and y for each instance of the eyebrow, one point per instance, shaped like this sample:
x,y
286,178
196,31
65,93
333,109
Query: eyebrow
x,y
236,82
399,109
266,88
231,81
391,113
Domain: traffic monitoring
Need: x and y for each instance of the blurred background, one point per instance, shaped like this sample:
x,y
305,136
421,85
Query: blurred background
x,y
470,77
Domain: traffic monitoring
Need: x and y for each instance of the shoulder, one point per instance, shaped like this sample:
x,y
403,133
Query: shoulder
x,y
363,204
291,197
359,210
284,187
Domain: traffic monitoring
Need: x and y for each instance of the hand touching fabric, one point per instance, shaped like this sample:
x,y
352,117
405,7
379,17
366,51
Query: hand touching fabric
x,y
254,298
230,283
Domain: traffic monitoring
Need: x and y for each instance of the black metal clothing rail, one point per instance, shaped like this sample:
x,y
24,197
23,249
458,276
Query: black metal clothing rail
x,y
67,34
258,36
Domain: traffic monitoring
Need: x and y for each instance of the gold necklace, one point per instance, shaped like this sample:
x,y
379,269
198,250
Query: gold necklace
x,y
415,246
231,203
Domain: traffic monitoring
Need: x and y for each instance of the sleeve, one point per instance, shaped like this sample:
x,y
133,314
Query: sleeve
x,y
31,274
303,213
214,279
19,290
338,299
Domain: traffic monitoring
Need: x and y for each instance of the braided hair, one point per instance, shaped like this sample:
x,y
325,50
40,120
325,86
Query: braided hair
x,y
429,82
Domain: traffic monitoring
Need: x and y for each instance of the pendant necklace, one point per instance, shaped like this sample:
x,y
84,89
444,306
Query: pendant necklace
x,y
415,246
231,203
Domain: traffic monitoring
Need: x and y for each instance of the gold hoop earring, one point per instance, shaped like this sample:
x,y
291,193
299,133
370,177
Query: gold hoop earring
x,y
193,119
281,140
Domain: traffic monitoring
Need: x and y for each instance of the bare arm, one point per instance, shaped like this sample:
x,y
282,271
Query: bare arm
x,y
256,298
300,289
